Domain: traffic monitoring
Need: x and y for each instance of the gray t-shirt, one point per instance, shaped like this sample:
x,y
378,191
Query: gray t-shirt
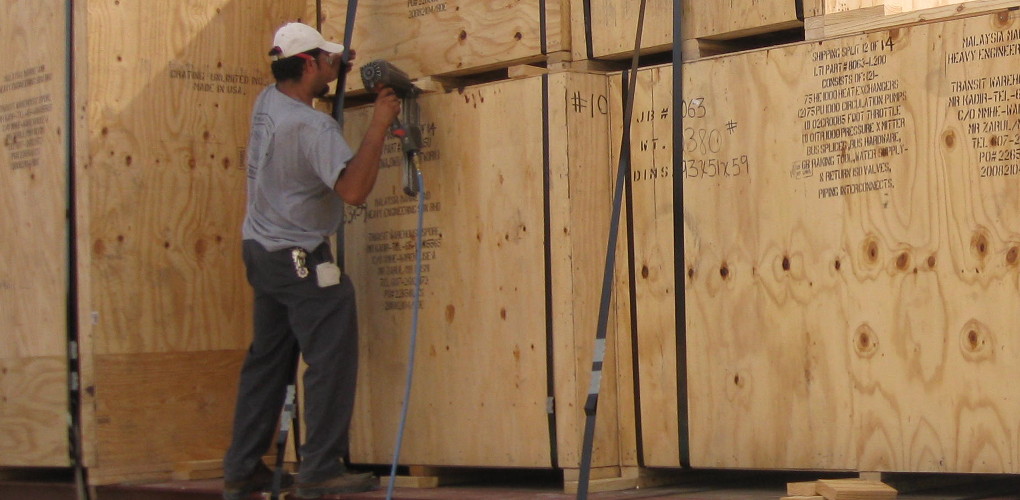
x,y
295,155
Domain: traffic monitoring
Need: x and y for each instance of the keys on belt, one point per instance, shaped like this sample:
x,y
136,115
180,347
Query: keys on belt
x,y
298,255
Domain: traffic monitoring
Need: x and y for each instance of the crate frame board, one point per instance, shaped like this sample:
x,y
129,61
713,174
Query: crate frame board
x,y
887,316
449,37
543,237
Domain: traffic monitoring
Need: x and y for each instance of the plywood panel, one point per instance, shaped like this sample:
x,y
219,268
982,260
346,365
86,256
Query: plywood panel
x,y
34,412
450,37
34,273
169,141
164,304
481,375
481,344
849,275
155,410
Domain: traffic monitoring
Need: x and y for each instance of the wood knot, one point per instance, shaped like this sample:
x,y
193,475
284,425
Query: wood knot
x,y
949,138
979,243
786,263
462,36
931,261
724,271
1011,255
871,250
837,264
644,272
690,273
976,342
865,341
738,380
903,261
451,312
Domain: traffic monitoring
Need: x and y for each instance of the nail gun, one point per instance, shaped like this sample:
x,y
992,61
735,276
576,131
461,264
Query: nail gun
x,y
380,73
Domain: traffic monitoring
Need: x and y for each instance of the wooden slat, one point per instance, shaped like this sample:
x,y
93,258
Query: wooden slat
x,y
34,274
802,488
651,183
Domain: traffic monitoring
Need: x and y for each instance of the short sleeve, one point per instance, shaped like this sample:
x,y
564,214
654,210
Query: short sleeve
x,y
328,152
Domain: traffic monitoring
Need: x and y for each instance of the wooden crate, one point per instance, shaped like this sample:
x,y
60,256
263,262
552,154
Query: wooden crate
x,y
33,170
518,195
449,37
850,277
842,17
163,94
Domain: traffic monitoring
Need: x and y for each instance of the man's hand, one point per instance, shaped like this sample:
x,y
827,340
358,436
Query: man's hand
x,y
387,107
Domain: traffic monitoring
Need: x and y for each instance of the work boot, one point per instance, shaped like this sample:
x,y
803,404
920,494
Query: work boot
x,y
344,483
258,481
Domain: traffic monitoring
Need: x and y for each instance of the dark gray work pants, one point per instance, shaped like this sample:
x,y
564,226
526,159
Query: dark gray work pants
x,y
293,313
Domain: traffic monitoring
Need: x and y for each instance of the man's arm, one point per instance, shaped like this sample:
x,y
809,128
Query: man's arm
x,y
358,178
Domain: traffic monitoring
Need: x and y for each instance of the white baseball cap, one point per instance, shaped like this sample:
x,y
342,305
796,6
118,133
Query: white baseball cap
x,y
295,38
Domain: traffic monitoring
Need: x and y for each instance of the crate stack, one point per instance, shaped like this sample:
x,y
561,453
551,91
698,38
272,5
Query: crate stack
x,y
848,225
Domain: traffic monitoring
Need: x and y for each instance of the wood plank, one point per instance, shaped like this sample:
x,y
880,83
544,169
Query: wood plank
x,y
34,275
449,37
802,488
847,274
651,205
581,183
855,489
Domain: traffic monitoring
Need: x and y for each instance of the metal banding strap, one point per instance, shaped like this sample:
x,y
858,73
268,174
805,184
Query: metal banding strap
x,y
542,20
550,365
623,171
680,277
635,344
589,44
341,81
73,348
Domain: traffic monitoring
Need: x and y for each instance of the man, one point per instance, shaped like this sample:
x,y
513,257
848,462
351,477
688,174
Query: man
x,y
300,173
